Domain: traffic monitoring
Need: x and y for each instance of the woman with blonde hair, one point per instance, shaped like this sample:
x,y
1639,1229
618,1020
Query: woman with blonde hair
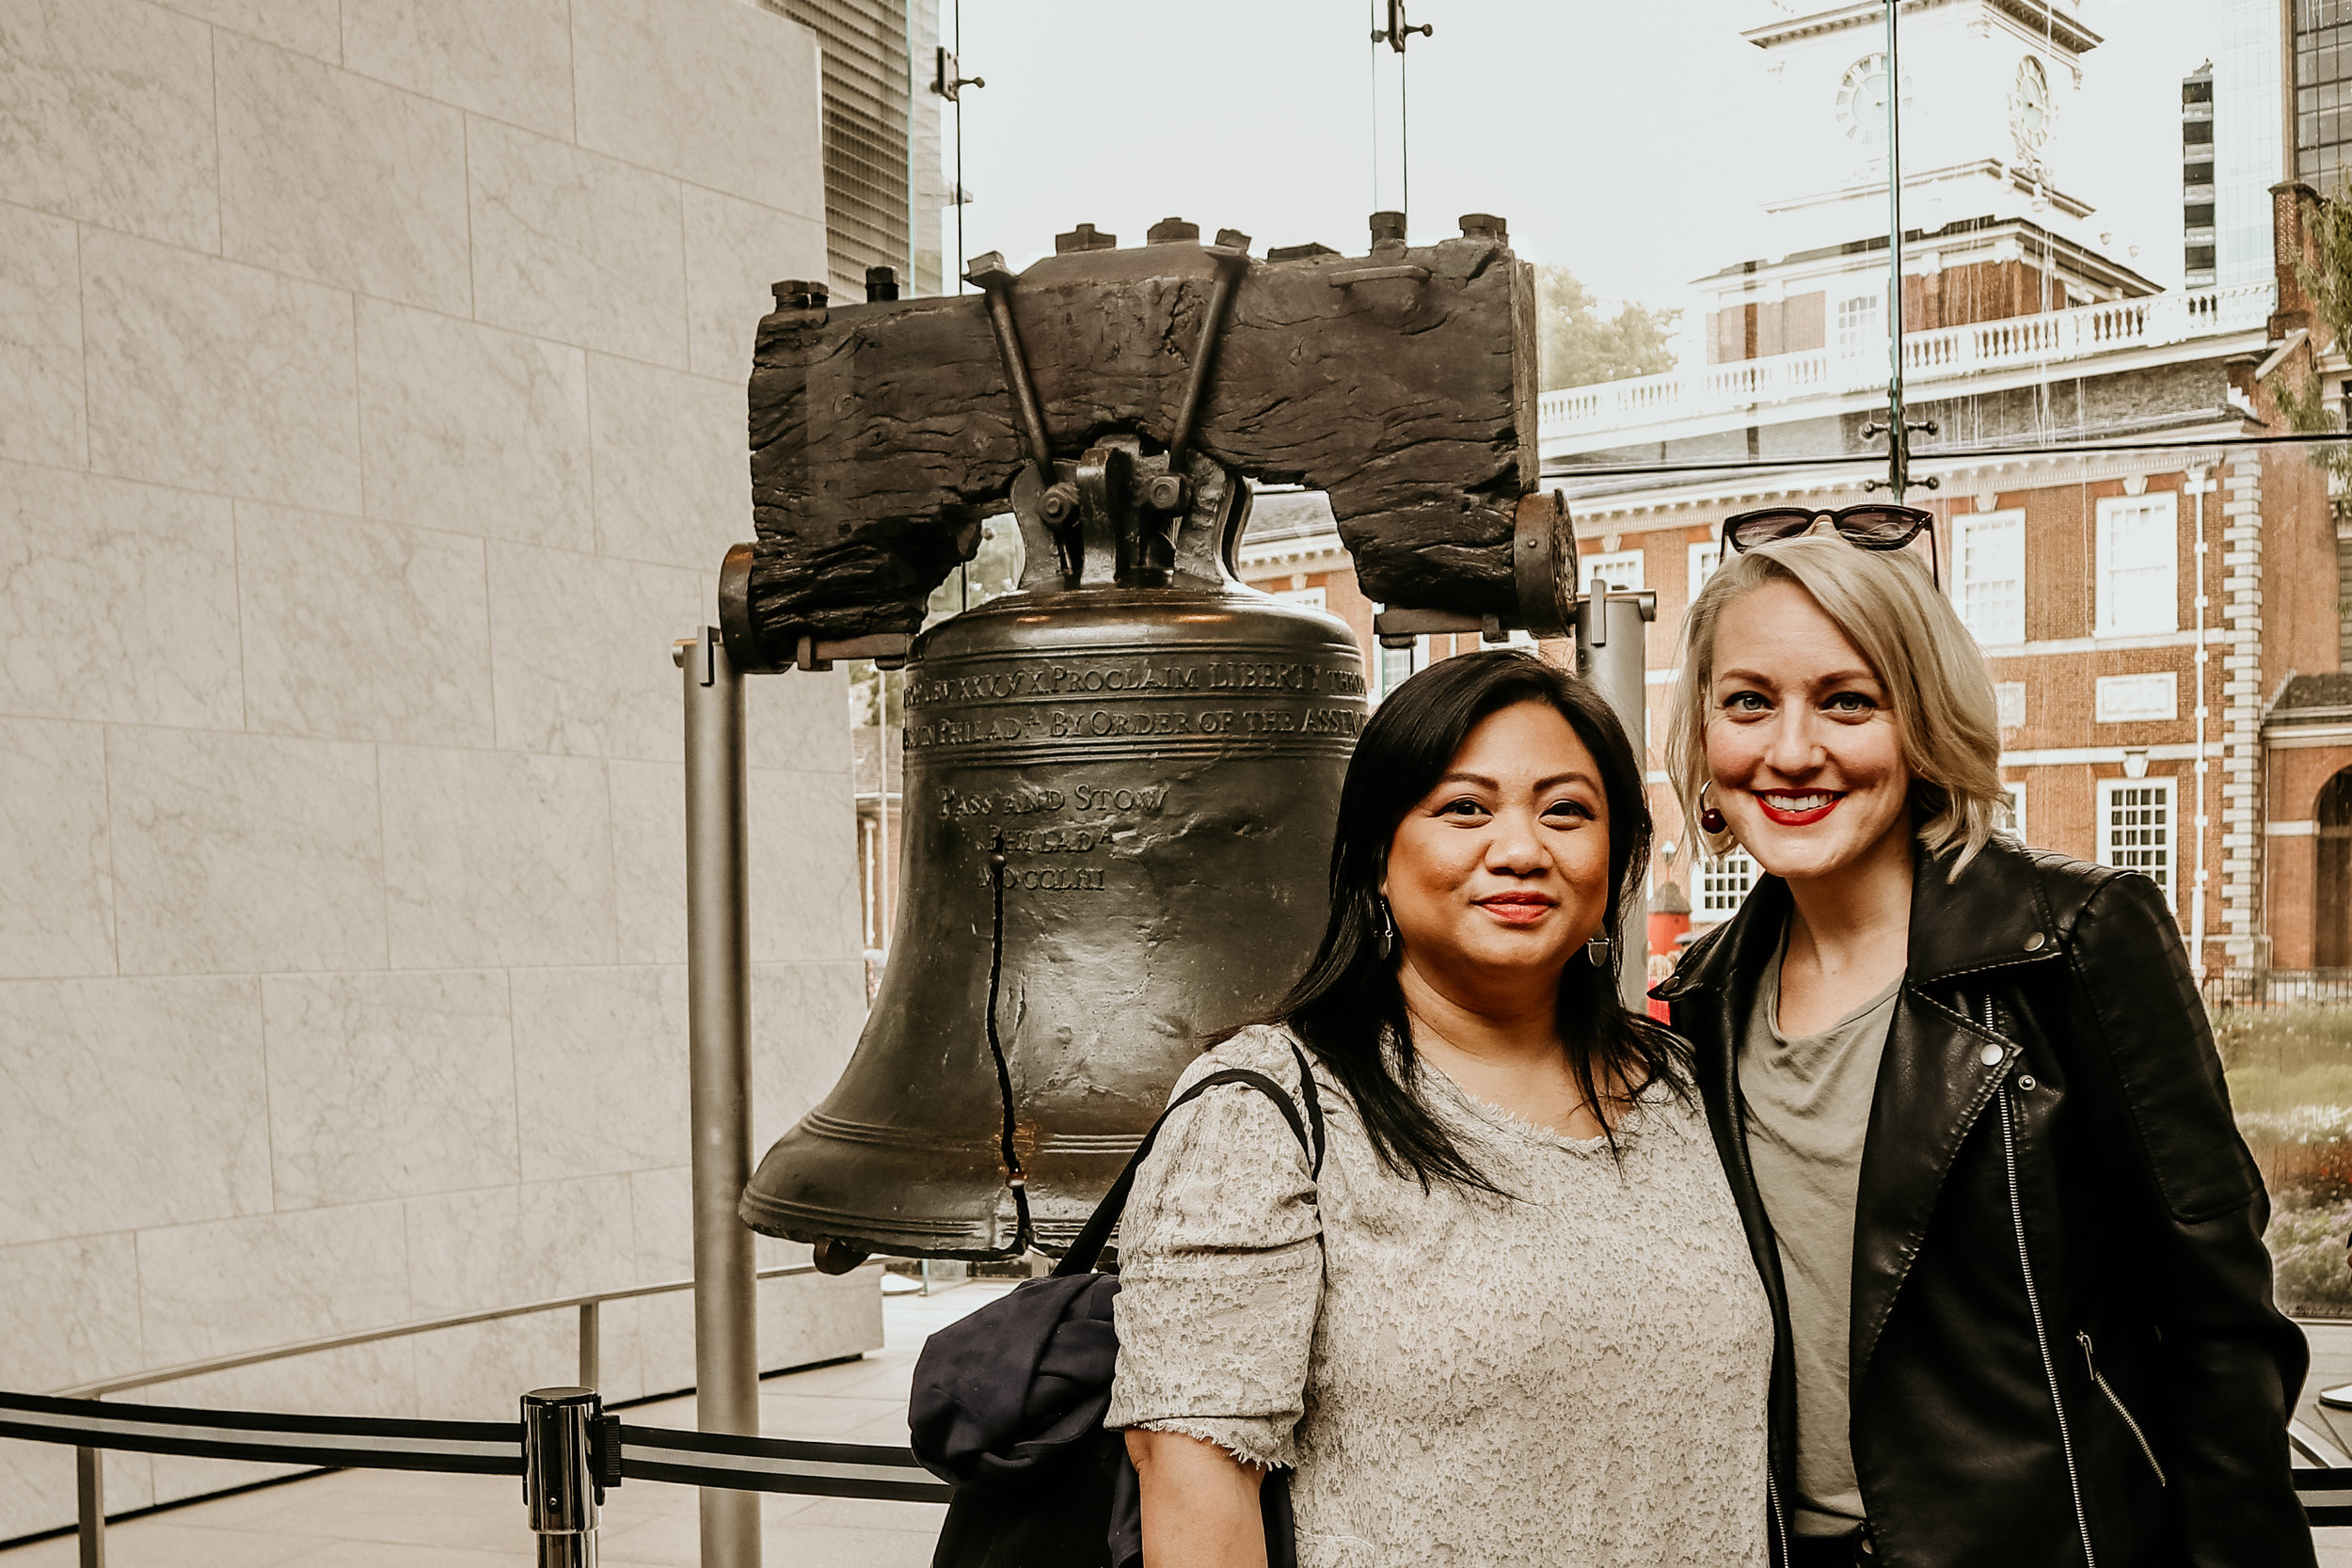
x,y
1970,1106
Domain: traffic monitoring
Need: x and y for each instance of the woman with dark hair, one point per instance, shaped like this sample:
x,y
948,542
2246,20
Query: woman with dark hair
x,y
1512,1317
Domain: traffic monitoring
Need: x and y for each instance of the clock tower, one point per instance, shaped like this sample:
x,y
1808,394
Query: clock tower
x,y
1987,88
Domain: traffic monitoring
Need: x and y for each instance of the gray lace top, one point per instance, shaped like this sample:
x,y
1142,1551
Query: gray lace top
x,y
1578,1376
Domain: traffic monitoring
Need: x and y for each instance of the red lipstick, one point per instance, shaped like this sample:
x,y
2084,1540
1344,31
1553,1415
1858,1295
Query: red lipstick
x,y
1816,805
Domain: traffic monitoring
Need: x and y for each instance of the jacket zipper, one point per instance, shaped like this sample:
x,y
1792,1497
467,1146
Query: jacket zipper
x,y
2041,1335
2117,1399
1772,1504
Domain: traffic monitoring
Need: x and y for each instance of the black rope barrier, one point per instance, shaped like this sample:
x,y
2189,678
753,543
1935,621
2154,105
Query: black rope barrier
x,y
338,1442
470,1447
2322,1495
777,1465
869,1470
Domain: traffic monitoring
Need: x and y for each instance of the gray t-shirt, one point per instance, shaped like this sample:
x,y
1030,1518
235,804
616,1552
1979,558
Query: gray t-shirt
x,y
1809,1110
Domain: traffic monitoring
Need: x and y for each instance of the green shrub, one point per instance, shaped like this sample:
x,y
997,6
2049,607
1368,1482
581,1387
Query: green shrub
x,y
2307,1256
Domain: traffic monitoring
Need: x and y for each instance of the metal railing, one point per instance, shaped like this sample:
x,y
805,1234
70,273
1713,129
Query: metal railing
x,y
89,1488
2278,988
2015,342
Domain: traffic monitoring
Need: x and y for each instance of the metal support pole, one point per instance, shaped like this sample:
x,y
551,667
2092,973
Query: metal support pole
x,y
1612,655
717,984
590,1346
2201,485
559,1474
90,1505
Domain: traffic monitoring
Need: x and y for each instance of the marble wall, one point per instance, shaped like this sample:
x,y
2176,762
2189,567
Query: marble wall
x,y
370,422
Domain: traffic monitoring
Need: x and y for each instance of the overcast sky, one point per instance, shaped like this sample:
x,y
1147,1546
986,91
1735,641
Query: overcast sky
x,y
1628,141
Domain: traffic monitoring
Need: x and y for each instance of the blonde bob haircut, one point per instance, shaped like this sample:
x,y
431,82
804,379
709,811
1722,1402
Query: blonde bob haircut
x,y
1933,674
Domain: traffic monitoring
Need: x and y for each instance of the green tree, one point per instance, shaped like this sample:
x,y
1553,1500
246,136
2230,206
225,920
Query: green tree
x,y
2329,285
1581,340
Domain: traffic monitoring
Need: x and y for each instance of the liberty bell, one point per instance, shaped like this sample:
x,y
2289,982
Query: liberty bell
x,y
1122,778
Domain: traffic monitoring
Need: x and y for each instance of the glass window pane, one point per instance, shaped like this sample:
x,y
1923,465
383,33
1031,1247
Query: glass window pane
x,y
2138,549
1989,574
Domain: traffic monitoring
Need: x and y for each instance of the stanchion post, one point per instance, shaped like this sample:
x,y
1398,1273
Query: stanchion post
x,y
89,1506
1610,653
559,1474
590,1346
718,962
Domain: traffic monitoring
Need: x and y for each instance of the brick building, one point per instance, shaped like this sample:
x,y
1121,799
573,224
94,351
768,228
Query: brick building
x,y
2161,614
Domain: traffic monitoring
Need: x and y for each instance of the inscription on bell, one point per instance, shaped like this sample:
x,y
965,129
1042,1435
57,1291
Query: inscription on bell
x,y
1135,675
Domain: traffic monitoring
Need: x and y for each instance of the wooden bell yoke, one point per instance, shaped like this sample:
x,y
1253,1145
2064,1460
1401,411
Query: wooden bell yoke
x,y
1402,384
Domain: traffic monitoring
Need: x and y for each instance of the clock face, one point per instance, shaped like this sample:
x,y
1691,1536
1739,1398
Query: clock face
x,y
1862,102
2030,109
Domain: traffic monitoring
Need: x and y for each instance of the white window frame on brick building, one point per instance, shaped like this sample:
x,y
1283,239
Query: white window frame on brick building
x,y
1703,559
2139,565
1620,569
1855,324
1989,574
2138,828
1313,598
1724,885
2017,792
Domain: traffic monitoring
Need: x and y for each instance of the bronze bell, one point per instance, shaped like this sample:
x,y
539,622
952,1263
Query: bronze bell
x,y
1120,783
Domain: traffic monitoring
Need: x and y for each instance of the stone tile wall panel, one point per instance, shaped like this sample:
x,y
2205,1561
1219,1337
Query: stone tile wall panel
x,y
57,900
329,176
735,250
673,480
40,340
508,59
244,852
583,646
213,375
600,1070
117,601
106,111
804,892
467,427
649,859
160,1080
635,61
243,1284
363,631
73,1311
571,244
389,1085
517,1243
496,857
312,27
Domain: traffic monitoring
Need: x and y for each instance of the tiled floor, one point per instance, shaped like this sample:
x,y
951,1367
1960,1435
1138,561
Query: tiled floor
x,y
389,1519
393,1519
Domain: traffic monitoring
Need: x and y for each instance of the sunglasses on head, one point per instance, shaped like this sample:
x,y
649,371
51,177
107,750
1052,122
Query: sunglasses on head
x,y
1875,526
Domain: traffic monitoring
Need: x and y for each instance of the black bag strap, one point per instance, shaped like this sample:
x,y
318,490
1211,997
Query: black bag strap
x,y
1087,1250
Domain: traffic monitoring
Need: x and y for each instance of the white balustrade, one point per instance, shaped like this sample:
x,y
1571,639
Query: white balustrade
x,y
2052,338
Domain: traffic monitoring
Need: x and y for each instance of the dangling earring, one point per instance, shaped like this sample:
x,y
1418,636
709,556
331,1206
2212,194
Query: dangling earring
x,y
1601,949
1711,820
1383,929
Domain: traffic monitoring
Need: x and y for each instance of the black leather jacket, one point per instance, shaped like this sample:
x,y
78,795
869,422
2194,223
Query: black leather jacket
x,y
2064,1349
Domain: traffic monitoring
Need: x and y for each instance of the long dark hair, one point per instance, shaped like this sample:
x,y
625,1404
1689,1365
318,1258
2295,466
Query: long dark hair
x,y
1348,1001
